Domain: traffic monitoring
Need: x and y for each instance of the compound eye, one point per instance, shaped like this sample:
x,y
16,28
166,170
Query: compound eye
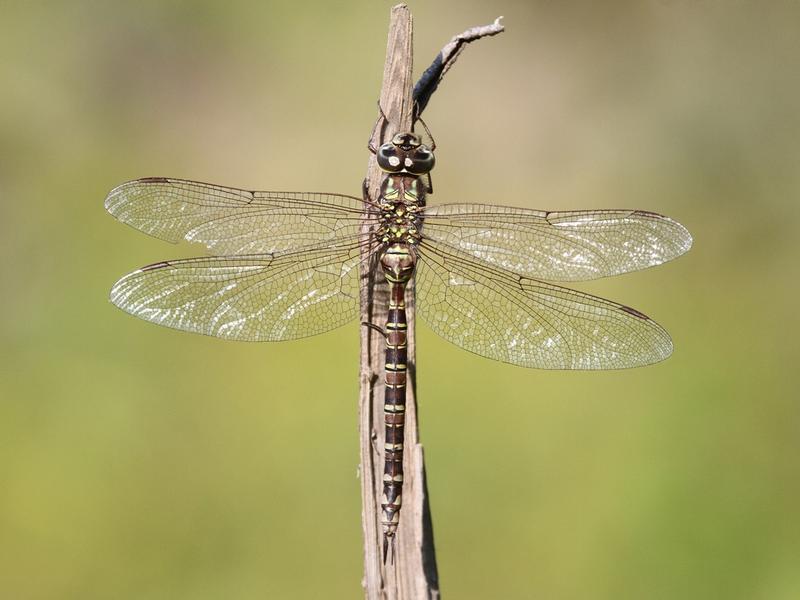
x,y
388,160
422,162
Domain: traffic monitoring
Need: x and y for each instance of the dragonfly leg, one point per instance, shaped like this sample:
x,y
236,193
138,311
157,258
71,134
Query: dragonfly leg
x,y
374,439
380,121
365,191
375,327
367,197
428,131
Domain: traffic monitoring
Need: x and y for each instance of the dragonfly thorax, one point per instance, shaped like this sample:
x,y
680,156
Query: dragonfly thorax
x,y
401,200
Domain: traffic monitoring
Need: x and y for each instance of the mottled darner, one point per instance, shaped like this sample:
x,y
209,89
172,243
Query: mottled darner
x,y
284,265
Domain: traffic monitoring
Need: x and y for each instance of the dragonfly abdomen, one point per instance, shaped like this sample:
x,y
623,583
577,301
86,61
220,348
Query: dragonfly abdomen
x,y
398,261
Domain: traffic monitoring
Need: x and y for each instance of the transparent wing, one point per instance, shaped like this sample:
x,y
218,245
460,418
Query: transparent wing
x,y
558,246
230,221
518,320
253,298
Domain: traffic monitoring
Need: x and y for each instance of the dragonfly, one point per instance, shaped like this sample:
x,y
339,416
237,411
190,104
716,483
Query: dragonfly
x,y
285,265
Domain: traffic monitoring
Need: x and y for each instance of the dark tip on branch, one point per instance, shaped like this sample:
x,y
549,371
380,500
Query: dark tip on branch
x,y
448,55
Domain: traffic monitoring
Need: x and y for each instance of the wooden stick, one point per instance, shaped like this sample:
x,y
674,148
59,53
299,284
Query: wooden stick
x,y
411,572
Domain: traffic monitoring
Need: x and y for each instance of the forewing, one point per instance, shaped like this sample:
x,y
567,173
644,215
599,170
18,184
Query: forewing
x,y
231,221
252,298
518,320
558,246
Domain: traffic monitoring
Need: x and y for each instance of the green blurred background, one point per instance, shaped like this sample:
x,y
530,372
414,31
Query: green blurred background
x,y
138,462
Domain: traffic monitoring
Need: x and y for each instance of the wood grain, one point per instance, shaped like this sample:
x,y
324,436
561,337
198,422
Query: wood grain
x,y
410,573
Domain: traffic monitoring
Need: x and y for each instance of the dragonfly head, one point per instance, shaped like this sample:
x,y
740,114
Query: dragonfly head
x,y
405,154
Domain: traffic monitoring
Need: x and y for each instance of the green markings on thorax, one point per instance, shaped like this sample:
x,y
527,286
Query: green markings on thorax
x,y
400,202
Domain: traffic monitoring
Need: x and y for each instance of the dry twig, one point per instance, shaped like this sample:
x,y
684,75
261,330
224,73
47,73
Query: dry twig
x,y
412,572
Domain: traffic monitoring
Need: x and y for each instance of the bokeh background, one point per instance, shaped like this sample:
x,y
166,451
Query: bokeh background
x,y
142,463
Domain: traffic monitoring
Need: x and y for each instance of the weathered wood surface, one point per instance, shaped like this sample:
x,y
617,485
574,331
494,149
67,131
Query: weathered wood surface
x,y
411,573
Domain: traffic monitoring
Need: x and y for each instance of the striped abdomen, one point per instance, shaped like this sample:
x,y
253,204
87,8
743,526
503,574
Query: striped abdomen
x,y
397,261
